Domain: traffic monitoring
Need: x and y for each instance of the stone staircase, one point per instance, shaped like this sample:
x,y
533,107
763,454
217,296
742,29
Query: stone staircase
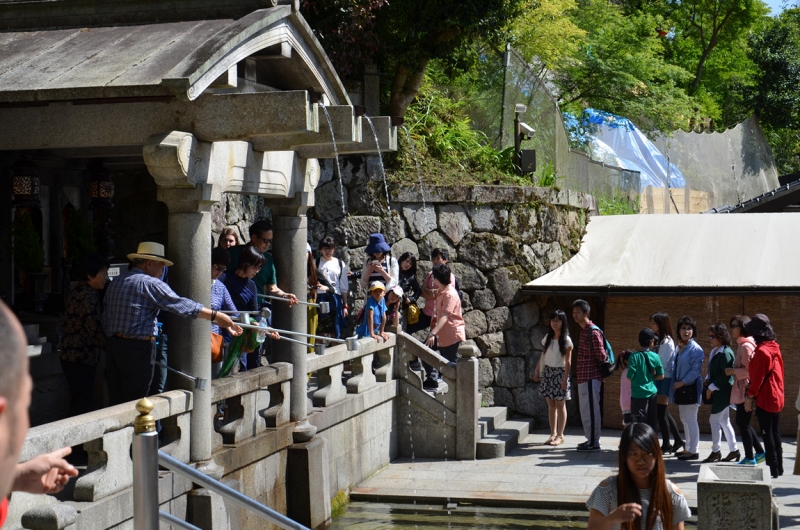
x,y
498,434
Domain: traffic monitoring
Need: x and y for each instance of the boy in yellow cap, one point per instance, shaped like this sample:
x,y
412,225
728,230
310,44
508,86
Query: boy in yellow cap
x,y
374,317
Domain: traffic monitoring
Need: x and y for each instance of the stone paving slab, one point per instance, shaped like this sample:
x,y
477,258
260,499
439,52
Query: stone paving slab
x,y
536,475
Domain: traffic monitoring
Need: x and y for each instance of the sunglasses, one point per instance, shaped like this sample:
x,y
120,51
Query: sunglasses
x,y
220,268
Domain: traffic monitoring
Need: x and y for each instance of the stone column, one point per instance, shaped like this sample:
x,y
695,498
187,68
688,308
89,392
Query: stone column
x,y
467,402
289,250
187,192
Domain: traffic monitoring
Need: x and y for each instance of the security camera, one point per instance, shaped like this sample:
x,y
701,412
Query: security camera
x,y
520,109
526,131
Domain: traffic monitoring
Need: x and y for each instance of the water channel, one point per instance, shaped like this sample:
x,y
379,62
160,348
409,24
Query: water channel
x,y
360,515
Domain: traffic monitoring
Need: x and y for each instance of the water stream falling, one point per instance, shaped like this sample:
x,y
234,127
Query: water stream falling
x,y
380,159
338,172
419,176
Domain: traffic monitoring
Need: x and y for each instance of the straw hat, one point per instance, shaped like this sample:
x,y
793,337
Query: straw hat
x,y
152,251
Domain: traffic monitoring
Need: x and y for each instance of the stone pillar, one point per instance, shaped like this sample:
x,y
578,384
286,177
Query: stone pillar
x,y
190,249
467,402
188,189
307,480
289,251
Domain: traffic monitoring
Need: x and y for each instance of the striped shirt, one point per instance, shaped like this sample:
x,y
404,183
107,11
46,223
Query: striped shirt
x,y
221,301
133,301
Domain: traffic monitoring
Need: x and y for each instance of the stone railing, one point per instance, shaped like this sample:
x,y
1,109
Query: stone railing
x,y
102,496
453,413
330,367
255,400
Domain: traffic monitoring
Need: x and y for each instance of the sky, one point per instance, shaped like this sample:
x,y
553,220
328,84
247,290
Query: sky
x,y
775,5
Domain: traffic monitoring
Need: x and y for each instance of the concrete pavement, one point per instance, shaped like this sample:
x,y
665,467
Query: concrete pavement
x,y
539,476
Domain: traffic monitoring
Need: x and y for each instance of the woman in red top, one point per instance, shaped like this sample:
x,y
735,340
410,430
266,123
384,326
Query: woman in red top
x,y
766,388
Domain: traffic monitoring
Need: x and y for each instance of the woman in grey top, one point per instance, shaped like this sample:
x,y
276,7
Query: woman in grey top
x,y
639,496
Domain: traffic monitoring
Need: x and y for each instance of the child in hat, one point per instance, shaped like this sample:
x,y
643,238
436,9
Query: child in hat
x,y
374,318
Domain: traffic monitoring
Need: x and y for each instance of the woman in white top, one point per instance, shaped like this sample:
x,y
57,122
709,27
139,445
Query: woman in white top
x,y
335,272
553,372
639,496
661,325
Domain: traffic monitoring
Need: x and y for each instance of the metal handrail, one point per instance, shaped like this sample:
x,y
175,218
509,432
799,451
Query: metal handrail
x,y
236,497
146,459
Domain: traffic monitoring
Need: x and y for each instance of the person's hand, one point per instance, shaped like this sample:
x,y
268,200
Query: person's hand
x,y
385,335
748,404
626,513
677,385
345,311
47,473
728,371
430,341
536,375
225,322
376,337
274,335
708,393
291,298
564,386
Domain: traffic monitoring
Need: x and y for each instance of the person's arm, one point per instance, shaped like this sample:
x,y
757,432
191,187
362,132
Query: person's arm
x,y
745,354
396,317
274,290
440,322
623,514
382,333
47,473
658,368
696,357
222,319
394,273
366,270
724,379
567,368
427,292
344,286
598,346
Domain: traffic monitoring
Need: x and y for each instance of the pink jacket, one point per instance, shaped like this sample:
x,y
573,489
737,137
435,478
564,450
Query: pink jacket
x,y
741,364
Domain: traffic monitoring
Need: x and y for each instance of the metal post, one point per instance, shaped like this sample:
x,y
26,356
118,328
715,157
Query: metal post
x,y
145,468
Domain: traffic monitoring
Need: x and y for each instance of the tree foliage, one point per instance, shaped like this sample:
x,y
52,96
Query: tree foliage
x,y
620,68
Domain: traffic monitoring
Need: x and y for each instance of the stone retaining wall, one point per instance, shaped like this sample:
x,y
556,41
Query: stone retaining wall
x,y
498,237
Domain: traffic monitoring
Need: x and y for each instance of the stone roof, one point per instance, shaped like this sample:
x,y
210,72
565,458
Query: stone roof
x,y
164,59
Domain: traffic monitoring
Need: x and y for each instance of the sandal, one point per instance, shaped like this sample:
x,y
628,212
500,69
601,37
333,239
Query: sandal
x,y
558,441
551,440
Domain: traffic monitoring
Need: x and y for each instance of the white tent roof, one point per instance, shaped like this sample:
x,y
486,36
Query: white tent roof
x,y
638,254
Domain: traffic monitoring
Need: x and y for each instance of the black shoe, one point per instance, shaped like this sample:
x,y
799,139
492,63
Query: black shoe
x,y
733,456
773,471
715,456
430,384
666,448
677,446
588,447
689,456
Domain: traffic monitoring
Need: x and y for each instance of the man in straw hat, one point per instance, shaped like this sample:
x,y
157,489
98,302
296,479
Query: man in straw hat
x,y
132,304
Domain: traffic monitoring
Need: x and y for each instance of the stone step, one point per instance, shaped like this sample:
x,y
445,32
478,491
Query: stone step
x,y
489,418
503,438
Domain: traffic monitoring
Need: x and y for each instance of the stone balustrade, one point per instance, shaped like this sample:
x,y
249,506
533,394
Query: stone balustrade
x,y
102,494
256,399
330,367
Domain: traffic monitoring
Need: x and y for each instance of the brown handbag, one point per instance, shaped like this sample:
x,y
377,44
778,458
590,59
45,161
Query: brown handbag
x,y
216,347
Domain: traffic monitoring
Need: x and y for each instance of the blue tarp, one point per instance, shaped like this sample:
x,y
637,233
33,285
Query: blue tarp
x,y
618,142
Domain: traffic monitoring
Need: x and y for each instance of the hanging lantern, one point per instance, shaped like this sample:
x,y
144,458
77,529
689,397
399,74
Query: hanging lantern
x,y
25,183
101,189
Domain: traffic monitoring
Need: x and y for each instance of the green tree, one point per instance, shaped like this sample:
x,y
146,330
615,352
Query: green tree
x,y
408,34
701,26
620,68
545,34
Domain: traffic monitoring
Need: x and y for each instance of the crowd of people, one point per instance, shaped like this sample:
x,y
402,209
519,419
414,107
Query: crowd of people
x,y
668,370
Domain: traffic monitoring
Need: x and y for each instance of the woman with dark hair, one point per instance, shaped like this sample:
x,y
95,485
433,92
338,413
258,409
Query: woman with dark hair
x,y
765,392
220,297
379,265
741,375
83,341
639,496
448,329
243,292
718,389
688,371
410,285
661,325
553,371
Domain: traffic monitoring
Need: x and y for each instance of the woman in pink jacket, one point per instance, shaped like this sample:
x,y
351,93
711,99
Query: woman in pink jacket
x,y
741,364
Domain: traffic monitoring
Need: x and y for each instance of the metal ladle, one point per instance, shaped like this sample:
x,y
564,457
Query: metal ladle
x,y
324,307
351,342
199,382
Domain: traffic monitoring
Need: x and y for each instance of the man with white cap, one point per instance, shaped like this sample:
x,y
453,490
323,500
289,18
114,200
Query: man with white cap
x,y
132,304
